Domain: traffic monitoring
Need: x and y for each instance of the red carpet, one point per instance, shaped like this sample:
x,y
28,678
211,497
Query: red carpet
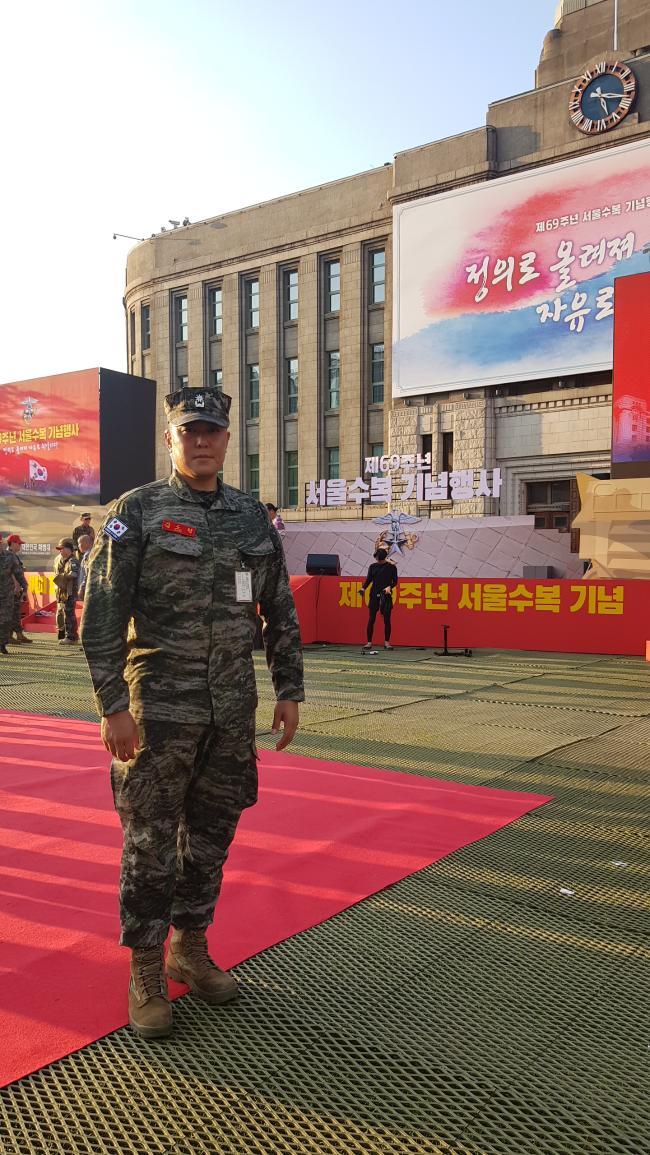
x,y
323,836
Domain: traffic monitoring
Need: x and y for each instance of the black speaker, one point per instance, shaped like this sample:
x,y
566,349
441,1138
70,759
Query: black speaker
x,y
324,564
127,433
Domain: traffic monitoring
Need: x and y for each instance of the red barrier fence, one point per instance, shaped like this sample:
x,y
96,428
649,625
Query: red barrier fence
x,y
585,617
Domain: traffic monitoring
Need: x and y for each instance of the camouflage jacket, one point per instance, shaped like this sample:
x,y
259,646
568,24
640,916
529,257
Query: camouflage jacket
x,y
66,577
7,585
19,571
162,630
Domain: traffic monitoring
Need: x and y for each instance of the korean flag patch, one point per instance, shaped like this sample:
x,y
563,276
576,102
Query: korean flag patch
x,y
115,528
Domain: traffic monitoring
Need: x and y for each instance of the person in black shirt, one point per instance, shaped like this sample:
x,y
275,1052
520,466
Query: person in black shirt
x,y
382,578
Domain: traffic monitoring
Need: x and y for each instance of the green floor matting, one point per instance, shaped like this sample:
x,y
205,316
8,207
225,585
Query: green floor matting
x,y
495,1003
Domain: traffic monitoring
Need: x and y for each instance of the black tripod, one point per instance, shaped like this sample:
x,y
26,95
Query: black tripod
x,y
445,652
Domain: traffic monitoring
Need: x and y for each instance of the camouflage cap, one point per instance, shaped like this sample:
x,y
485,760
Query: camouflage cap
x,y
65,543
198,405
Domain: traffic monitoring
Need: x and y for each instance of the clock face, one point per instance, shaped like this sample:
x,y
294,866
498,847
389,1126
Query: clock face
x,y
602,98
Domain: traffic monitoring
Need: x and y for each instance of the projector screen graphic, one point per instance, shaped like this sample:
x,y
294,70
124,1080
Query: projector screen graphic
x,y
49,436
631,390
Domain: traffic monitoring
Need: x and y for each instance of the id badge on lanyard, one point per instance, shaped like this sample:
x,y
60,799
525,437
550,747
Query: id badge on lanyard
x,y
243,585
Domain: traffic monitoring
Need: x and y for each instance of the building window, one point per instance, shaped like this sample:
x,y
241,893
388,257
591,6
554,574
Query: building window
x,y
377,277
332,463
332,286
291,295
132,331
253,478
145,327
180,319
215,312
292,385
253,391
217,378
181,381
291,476
333,379
252,304
377,374
448,452
549,502
377,449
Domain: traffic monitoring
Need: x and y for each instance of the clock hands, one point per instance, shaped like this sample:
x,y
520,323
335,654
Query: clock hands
x,y
603,97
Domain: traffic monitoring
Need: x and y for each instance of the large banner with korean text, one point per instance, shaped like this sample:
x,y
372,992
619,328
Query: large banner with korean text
x,y
589,617
49,435
49,460
513,279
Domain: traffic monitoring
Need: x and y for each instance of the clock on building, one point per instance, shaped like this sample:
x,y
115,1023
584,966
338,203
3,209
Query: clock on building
x,y
602,97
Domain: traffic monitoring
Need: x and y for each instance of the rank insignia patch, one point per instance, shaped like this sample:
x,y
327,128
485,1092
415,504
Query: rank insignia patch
x,y
178,527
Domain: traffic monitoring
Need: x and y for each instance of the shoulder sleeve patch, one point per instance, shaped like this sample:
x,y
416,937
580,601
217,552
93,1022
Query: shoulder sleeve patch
x,y
116,528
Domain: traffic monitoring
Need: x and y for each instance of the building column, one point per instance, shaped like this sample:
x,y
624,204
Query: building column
x,y
270,384
388,345
352,422
232,384
196,342
309,393
160,356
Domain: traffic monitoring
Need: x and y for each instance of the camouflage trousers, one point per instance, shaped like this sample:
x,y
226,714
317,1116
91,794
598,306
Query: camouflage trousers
x,y
6,611
66,619
16,620
179,801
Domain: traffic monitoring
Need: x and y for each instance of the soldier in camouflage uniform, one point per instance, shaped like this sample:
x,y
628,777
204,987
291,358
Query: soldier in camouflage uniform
x,y
14,542
174,580
66,580
7,594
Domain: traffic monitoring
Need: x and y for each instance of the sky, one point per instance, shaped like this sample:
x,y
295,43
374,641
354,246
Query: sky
x,y
122,114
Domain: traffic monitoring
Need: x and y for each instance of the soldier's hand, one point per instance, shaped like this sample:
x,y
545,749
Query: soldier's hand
x,y
285,714
120,735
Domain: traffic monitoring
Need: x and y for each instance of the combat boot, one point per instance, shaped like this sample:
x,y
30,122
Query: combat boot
x,y
23,640
150,1012
188,962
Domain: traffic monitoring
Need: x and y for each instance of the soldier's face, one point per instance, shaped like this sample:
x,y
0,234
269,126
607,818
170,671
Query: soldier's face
x,y
198,450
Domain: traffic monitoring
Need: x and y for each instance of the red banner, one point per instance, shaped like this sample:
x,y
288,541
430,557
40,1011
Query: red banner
x,y
631,397
49,436
555,616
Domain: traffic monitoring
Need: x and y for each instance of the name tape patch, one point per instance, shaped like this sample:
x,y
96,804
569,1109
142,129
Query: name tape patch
x,y
115,528
178,527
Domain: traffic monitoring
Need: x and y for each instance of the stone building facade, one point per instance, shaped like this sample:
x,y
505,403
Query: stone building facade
x,y
288,306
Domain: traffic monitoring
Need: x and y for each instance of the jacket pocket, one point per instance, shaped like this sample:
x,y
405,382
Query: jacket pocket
x,y
186,547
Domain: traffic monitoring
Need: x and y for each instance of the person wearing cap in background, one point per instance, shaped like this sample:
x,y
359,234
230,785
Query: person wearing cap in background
x,y
14,543
83,528
175,577
66,580
8,589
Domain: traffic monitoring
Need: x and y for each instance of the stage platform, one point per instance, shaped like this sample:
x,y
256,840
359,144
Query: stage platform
x,y
494,1003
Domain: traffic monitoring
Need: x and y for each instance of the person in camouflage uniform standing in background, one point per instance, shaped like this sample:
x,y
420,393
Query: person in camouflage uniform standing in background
x,y
170,611
66,580
8,586
14,543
